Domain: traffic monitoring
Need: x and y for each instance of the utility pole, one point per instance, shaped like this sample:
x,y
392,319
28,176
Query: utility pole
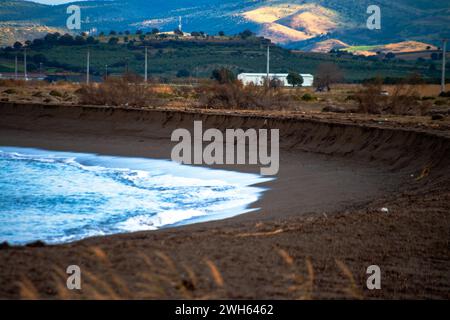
x,y
88,62
16,68
106,71
444,52
196,75
146,64
25,65
268,66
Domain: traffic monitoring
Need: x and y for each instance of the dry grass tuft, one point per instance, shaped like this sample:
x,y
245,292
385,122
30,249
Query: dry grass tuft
x,y
425,173
125,91
260,234
99,253
353,289
27,290
303,286
403,100
215,273
250,97
286,257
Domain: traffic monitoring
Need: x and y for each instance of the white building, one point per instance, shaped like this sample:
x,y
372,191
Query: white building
x,y
258,78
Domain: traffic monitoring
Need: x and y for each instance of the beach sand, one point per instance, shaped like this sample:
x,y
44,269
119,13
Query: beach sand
x,y
318,226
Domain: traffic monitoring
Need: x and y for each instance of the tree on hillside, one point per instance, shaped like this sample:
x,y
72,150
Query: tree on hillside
x,y
79,40
17,45
155,31
246,34
91,40
223,75
66,39
295,79
113,40
327,74
390,55
52,38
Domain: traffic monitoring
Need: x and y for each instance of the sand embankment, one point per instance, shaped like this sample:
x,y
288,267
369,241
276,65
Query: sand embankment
x,y
324,205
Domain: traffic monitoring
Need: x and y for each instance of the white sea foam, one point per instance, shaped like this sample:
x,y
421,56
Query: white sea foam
x,y
63,196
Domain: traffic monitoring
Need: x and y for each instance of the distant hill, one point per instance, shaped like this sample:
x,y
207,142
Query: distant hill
x,y
325,45
400,47
10,33
286,22
198,58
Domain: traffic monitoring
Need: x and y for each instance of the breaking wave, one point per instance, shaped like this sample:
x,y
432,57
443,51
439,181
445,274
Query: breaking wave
x,y
61,197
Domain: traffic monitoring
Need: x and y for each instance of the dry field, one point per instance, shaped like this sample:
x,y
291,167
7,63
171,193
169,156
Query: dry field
x,y
340,103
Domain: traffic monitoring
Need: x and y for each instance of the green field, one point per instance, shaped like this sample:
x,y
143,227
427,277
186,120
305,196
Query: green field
x,y
201,57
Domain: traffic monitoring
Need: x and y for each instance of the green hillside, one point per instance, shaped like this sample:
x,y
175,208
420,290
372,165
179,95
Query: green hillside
x,y
199,57
419,20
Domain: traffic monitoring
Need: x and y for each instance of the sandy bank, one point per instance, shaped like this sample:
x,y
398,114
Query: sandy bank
x,y
324,205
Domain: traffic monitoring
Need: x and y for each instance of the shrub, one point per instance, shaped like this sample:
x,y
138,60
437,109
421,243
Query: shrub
x,y
327,74
124,91
237,96
10,91
440,102
12,83
308,97
404,100
55,93
370,98
223,75
294,79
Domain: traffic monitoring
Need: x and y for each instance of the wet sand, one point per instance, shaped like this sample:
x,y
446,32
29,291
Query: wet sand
x,y
318,227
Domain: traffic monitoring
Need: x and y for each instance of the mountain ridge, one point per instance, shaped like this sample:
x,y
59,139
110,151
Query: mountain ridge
x,y
284,22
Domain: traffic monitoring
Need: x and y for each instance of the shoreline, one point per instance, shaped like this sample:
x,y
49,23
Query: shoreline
x,y
334,177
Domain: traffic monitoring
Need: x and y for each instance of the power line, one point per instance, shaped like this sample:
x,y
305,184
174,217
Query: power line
x,y
268,66
25,65
88,66
146,64
16,68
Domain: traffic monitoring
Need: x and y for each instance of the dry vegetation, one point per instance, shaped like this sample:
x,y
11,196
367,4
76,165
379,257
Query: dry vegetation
x,y
419,101
237,96
404,100
173,279
291,22
125,91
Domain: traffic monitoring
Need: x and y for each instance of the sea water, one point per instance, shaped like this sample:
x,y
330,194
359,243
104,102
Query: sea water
x,y
59,197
